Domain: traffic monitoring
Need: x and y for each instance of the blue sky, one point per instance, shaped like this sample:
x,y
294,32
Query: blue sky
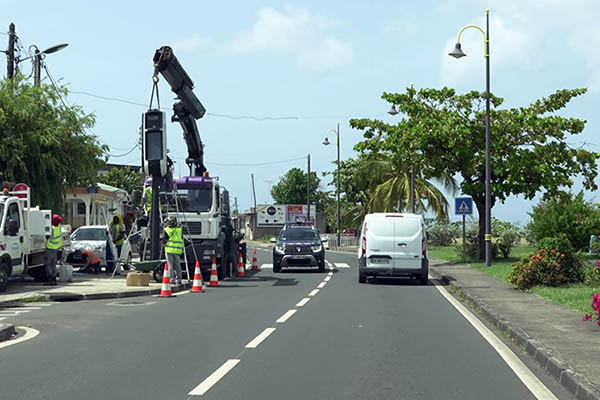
x,y
319,62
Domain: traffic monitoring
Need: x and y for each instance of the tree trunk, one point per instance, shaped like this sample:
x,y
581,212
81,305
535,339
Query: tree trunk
x,y
480,203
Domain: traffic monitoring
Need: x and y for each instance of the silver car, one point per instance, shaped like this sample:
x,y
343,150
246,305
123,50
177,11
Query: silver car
x,y
94,238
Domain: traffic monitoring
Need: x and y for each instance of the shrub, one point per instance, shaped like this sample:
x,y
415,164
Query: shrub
x,y
506,236
472,244
596,308
562,245
542,267
442,233
592,275
568,214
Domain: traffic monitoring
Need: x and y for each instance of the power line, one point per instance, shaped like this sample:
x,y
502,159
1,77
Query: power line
x,y
125,154
257,164
252,117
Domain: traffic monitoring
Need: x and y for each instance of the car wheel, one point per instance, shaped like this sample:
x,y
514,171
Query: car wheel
x,y
423,280
276,266
322,266
3,276
362,277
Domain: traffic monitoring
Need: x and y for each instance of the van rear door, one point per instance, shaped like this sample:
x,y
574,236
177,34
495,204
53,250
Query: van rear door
x,y
407,251
380,242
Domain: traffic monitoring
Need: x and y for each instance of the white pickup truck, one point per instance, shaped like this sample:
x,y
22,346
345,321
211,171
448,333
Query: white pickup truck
x,y
23,231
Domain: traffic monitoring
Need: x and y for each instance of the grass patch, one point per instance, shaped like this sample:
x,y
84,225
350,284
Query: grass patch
x,y
447,253
36,299
576,296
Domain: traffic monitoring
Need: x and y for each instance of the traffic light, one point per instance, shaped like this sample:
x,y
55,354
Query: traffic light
x,y
155,143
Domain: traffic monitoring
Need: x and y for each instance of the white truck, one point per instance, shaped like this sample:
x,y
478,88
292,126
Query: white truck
x,y
23,231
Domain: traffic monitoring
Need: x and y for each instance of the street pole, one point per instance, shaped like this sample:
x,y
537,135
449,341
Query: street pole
x,y
488,202
412,187
37,63
155,220
338,187
10,53
253,192
308,191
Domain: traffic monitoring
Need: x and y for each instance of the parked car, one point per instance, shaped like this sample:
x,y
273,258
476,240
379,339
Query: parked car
x,y
94,238
393,244
298,246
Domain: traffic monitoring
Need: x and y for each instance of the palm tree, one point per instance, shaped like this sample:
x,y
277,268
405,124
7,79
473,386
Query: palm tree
x,y
389,187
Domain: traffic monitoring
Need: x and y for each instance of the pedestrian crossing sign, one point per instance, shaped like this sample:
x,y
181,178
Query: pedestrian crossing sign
x,y
463,206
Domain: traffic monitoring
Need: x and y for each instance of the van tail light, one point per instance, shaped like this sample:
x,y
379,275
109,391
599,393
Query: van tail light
x,y
423,241
364,241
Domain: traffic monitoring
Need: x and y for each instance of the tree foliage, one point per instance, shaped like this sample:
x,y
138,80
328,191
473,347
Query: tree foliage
x,y
44,143
122,178
291,189
445,132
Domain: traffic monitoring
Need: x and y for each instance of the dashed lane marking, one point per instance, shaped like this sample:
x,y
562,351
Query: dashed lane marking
x,y
303,302
313,293
342,265
327,278
322,285
214,378
286,316
267,266
258,340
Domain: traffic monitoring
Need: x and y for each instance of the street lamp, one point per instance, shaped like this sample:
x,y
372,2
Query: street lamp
x,y
458,53
326,142
38,56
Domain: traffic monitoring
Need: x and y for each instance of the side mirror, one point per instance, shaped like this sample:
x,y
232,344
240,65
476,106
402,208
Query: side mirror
x,y
273,240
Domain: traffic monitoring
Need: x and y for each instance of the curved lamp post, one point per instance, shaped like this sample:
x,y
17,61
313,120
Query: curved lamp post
x,y
37,59
458,53
327,142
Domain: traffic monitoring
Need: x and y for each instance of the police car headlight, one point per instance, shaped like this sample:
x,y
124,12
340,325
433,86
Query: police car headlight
x,y
279,249
317,248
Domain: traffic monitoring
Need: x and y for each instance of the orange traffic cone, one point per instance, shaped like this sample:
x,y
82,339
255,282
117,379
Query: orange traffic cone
x,y
254,264
198,285
241,270
214,276
166,283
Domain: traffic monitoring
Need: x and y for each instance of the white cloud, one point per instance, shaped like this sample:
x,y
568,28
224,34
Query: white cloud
x,y
297,32
191,44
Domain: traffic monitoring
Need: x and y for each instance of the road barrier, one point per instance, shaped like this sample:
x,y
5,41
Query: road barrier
x,y
241,270
198,285
254,262
214,276
166,283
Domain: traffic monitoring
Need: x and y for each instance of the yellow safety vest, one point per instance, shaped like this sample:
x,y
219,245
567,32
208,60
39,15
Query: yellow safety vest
x,y
175,243
54,242
148,199
117,233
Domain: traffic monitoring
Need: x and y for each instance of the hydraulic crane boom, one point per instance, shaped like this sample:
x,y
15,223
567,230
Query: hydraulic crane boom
x,y
187,110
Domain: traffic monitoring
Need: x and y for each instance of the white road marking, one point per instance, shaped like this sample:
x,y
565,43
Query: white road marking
x,y
330,273
322,285
257,340
30,333
286,316
214,378
303,302
1,318
267,266
535,386
342,265
313,293
327,278
19,308
328,263
13,313
123,304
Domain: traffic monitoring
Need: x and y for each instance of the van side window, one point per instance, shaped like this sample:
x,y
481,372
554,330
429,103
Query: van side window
x,y
13,214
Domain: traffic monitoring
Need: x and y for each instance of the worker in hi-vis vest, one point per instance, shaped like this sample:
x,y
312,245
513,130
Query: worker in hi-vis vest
x,y
173,248
53,245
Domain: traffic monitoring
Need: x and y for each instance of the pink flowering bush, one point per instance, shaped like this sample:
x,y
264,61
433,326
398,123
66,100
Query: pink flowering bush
x,y
596,308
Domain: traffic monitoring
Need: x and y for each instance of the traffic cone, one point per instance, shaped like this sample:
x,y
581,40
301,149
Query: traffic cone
x,y
254,263
241,270
214,276
165,291
198,285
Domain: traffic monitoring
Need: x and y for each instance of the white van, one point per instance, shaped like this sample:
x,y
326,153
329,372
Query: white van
x,y
393,244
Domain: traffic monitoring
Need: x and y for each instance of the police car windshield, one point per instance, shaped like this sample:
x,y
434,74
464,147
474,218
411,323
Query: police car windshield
x,y
298,234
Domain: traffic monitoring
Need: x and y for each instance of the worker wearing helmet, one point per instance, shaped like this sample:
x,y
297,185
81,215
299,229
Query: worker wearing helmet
x,y
173,248
53,245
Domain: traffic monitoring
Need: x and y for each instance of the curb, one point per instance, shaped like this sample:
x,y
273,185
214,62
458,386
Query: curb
x,y
68,296
576,384
6,331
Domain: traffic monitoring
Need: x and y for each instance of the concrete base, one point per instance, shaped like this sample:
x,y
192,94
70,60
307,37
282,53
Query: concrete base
x,y
138,279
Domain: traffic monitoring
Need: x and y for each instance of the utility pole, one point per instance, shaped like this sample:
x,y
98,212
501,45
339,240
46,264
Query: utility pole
x,y
308,191
10,53
338,187
253,191
37,65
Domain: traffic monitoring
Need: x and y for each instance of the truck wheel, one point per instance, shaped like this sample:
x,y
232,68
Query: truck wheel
x,y
38,274
221,268
3,276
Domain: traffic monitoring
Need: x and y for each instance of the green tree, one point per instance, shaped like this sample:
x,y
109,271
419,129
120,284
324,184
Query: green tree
x,y
122,178
529,151
44,143
291,189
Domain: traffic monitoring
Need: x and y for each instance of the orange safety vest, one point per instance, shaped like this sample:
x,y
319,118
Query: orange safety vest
x,y
91,256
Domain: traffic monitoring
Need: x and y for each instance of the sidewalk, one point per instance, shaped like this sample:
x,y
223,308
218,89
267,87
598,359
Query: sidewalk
x,y
83,287
556,337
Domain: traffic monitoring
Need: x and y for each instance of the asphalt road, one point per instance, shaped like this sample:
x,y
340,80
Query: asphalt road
x,y
383,340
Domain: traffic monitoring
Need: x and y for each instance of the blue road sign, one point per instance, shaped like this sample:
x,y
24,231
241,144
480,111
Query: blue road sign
x,y
463,206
